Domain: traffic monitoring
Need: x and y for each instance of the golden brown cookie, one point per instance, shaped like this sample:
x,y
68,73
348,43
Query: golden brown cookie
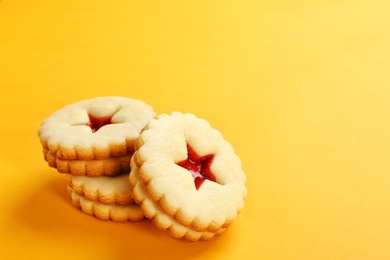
x,y
102,211
111,166
185,171
106,190
96,128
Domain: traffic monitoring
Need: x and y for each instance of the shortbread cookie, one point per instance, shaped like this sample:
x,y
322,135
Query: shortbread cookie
x,y
97,128
106,190
190,172
93,168
102,211
163,221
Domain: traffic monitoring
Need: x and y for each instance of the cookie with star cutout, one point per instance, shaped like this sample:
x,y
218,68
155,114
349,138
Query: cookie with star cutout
x,y
94,129
187,177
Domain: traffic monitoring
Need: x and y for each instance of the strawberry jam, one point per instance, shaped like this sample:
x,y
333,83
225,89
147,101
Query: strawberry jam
x,y
198,166
95,123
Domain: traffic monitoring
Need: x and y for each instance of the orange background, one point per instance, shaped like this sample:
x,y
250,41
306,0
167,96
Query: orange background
x,y
300,88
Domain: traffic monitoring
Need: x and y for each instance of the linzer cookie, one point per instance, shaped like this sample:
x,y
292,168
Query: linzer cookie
x,y
111,166
186,177
114,212
97,128
106,190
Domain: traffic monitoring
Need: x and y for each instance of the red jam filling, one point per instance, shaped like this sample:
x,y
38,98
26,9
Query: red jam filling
x,y
95,123
198,166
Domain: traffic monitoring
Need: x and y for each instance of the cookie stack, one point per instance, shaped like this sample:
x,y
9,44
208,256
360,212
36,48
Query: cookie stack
x,y
124,163
92,141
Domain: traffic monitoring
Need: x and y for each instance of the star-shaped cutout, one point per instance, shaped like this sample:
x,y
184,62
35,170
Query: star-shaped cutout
x,y
95,123
198,166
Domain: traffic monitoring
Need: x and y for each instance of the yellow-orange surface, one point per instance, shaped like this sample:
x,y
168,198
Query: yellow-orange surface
x,y
300,88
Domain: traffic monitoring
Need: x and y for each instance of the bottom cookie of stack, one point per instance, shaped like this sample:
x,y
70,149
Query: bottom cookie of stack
x,y
114,212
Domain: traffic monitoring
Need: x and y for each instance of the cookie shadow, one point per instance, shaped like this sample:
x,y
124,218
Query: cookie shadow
x,y
40,209
48,211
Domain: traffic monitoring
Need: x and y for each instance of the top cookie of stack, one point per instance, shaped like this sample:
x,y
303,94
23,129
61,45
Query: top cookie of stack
x,y
94,137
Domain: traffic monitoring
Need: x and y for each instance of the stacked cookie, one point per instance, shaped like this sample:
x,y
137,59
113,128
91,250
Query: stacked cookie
x,y
106,198
124,163
93,141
